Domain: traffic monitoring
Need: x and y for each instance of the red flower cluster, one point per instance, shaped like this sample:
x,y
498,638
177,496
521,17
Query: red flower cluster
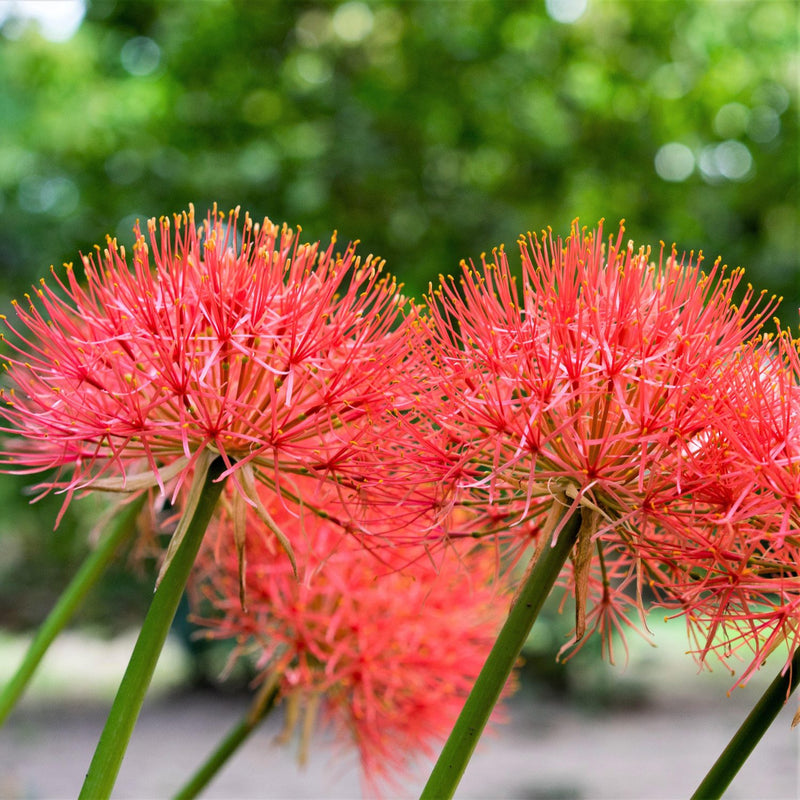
x,y
594,391
237,340
386,645
634,392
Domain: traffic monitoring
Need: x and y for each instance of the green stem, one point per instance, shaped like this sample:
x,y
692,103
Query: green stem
x,y
263,704
749,734
124,712
87,576
487,689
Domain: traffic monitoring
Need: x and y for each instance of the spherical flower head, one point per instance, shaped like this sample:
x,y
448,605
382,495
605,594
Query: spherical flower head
x,y
583,388
229,337
387,644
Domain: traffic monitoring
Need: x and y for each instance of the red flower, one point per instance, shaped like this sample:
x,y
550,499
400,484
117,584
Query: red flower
x,y
390,645
585,390
238,340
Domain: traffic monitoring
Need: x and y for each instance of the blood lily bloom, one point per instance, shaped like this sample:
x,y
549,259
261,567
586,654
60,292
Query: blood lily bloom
x,y
226,338
385,645
221,351
581,391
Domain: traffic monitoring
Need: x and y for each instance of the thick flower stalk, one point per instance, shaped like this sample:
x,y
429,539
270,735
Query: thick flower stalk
x,y
385,644
583,390
232,338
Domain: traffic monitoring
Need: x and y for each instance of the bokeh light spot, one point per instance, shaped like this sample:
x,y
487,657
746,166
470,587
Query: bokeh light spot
x,y
674,162
773,95
729,160
312,69
140,56
764,125
352,22
733,160
566,10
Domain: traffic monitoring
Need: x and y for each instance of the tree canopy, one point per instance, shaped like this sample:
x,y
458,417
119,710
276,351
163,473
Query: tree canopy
x,y
431,131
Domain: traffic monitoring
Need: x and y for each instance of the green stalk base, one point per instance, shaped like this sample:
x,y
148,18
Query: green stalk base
x,y
124,712
486,692
749,734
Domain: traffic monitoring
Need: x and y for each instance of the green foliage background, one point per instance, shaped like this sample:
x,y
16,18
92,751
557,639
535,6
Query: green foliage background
x,y
431,131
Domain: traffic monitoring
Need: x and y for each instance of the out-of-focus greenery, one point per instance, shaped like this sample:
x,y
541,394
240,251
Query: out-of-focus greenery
x,y
36,563
431,131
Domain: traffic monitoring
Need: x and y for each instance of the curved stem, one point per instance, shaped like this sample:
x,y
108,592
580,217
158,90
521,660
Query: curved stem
x,y
264,703
124,712
749,734
87,576
490,682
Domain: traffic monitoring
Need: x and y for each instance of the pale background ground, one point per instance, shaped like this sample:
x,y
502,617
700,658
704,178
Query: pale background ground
x,y
655,749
